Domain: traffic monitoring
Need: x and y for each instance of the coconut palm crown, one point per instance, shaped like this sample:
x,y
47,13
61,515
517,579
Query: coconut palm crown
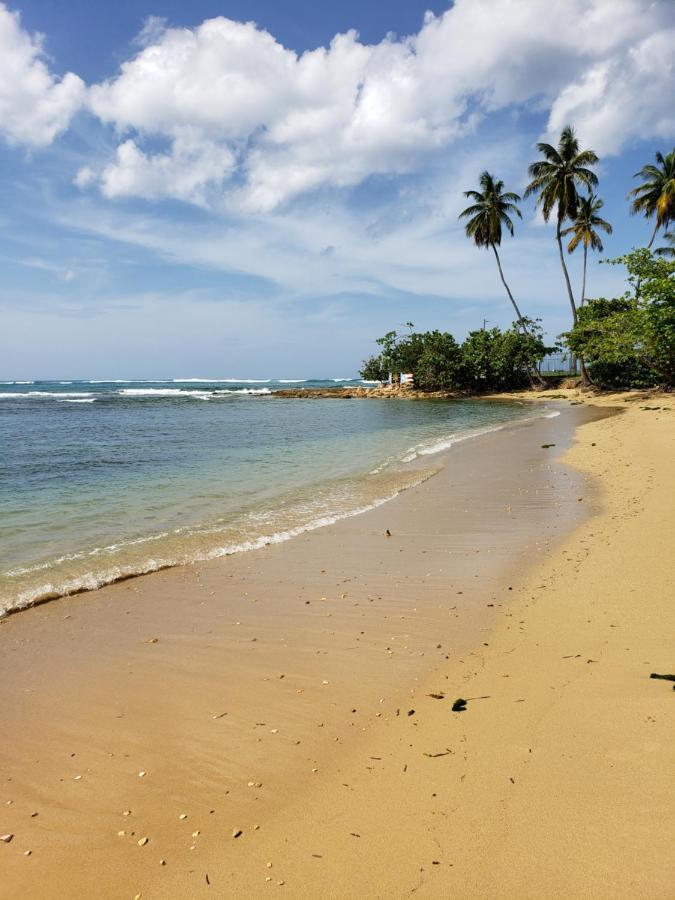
x,y
587,220
584,231
555,179
656,195
492,209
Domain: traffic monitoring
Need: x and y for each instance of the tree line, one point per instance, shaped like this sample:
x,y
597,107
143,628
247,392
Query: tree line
x,y
487,360
623,341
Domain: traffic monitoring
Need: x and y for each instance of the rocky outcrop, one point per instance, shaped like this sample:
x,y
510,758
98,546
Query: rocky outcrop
x,y
386,392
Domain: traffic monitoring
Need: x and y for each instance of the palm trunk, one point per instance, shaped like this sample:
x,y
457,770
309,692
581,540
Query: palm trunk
x,y
532,375
583,280
585,378
651,241
558,237
519,315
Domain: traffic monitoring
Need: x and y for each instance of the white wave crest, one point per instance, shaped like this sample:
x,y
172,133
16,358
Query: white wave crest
x,y
222,380
90,581
42,394
243,391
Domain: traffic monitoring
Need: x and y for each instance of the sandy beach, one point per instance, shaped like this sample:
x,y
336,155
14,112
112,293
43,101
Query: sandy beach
x,y
280,720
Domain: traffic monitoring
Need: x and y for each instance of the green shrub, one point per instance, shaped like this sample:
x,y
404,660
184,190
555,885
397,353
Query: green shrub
x,y
629,341
486,361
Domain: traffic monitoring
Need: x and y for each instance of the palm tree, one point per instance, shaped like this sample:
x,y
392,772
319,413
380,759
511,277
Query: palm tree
x,y
583,231
492,209
669,236
656,195
555,179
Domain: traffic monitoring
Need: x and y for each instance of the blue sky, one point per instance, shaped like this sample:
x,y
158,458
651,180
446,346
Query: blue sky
x,y
187,193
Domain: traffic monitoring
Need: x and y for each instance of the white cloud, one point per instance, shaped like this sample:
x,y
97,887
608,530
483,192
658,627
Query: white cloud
x,y
622,97
378,253
289,123
182,173
223,112
35,106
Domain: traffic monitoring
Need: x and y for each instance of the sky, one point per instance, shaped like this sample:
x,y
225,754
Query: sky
x,y
260,188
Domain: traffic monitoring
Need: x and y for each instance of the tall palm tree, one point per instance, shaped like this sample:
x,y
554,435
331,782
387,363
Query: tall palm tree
x,y
555,179
669,237
656,195
584,231
492,209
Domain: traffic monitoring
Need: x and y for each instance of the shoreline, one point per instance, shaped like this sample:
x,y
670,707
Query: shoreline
x,y
92,580
304,815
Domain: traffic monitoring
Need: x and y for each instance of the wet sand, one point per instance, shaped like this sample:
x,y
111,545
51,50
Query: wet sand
x,y
284,693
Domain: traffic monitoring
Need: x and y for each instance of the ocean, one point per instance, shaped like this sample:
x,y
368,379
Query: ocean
x,y
102,480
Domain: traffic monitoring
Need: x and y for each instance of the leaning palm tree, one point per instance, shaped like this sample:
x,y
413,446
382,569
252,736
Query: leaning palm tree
x,y
656,195
492,209
584,231
555,180
669,237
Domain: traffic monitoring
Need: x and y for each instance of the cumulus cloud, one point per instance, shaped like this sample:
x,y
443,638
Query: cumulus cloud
x,y
35,105
183,173
223,112
288,123
622,97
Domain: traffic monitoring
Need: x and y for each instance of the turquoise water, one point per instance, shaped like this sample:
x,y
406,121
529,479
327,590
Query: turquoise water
x,y
101,480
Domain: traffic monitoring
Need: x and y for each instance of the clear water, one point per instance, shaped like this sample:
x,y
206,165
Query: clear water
x,y
101,480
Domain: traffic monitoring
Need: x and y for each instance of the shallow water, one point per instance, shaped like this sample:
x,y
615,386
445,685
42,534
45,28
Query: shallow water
x,y
101,480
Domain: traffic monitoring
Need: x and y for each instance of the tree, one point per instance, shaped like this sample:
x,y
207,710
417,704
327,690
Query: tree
x,y
492,209
584,231
555,179
494,360
656,195
629,341
669,237
437,367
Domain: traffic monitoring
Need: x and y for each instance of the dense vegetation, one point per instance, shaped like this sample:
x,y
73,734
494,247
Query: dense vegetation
x,y
488,360
628,341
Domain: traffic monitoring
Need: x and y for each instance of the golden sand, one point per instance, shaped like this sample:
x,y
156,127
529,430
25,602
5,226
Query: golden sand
x,y
281,721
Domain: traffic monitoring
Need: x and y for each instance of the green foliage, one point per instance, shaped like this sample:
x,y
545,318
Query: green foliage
x,y
669,250
584,228
486,361
557,177
373,369
656,195
499,360
490,210
438,365
630,340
